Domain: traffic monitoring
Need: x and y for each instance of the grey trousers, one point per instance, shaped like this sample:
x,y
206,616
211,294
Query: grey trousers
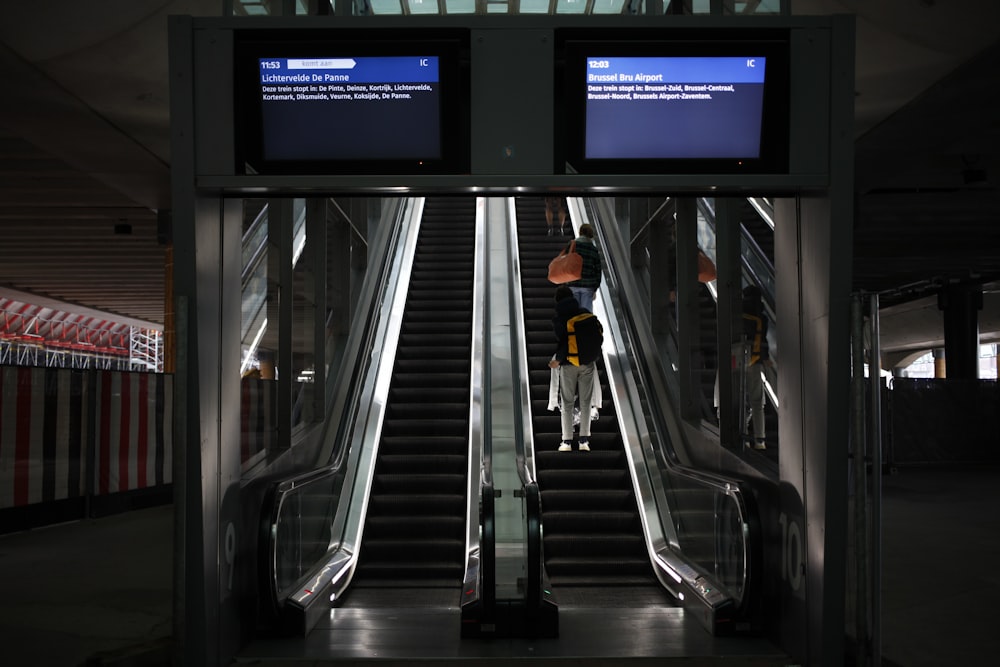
x,y
576,381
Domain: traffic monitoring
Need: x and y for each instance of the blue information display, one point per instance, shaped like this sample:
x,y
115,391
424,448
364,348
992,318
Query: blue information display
x,y
674,107
350,108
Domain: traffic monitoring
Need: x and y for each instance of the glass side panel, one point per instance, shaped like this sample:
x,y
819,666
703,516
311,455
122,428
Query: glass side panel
x,y
304,310
460,6
257,395
571,7
387,7
302,530
751,7
422,6
534,6
609,7
710,530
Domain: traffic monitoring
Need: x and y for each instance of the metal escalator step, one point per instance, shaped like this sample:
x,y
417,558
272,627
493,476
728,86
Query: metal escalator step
x,y
434,366
582,480
428,426
420,463
413,550
595,545
594,460
456,411
418,483
606,522
435,328
594,501
409,380
420,503
424,526
431,444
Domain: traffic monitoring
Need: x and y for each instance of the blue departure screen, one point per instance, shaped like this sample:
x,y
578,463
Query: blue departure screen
x,y
351,108
674,107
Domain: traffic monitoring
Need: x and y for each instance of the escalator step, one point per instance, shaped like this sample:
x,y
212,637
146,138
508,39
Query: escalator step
x,y
422,464
418,339
431,425
578,522
414,550
420,504
596,500
595,460
455,412
409,380
440,526
582,480
595,545
419,483
430,445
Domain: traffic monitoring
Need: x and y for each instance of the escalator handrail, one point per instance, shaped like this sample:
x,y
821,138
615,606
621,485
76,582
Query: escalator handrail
x,y
479,583
764,209
524,439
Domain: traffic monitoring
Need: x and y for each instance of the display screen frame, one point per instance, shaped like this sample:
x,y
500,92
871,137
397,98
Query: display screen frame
x,y
254,132
575,47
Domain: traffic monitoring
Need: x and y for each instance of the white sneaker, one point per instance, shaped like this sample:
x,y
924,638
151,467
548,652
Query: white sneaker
x,y
565,447
585,446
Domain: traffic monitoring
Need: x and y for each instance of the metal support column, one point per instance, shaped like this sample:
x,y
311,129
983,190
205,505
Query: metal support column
x,y
688,316
728,318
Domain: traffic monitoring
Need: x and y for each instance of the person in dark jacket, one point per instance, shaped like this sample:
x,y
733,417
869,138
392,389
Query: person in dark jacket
x,y
590,276
576,382
755,329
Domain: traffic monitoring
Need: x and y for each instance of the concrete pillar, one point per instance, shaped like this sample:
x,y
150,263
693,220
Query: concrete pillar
x,y
939,363
961,305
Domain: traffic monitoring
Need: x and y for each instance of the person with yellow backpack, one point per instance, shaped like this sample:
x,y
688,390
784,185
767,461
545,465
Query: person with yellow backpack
x,y
579,338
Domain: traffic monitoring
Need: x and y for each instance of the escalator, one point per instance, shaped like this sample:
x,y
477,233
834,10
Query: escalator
x,y
592,529
415,530
755,227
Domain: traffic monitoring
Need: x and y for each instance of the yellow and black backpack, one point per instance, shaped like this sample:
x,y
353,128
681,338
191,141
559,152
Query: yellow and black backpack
x,y
585,338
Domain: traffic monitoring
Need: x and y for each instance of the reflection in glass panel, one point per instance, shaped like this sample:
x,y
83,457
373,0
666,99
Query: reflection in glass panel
x,y
423,6
257,394
251,8
571,7
386,7
608,7
303,320
701,6
496,8
752,7
460,6
534,6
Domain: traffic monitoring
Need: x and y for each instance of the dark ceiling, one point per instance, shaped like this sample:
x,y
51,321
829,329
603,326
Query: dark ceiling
x,y
85,160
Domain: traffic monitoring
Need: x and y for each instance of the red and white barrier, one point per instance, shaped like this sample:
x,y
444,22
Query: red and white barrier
x,y
133,433
68,433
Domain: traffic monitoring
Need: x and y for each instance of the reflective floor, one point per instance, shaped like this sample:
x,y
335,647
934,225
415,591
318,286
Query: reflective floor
x,y
595,627
107,594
